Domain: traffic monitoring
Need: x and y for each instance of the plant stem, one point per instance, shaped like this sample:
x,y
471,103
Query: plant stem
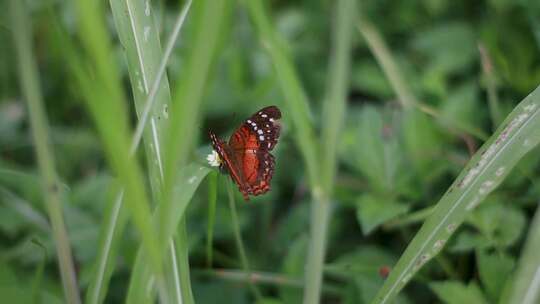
x,y
391,70
238,239
212,197
333,116
30,85
385,59
320,217
491,87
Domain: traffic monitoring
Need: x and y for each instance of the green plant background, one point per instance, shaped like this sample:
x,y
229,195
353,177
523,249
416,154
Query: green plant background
x,y
409,143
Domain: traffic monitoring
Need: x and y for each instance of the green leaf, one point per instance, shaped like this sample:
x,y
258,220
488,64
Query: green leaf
x,y
365,260
501,224
494,270
372,211
421,139
451,47
454,292
368,77
366,148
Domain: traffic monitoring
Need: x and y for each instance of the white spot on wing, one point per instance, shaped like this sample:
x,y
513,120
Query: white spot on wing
x,y
264,115
261,138
260,131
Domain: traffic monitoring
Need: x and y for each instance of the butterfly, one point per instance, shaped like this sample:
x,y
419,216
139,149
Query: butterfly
x,y
246,157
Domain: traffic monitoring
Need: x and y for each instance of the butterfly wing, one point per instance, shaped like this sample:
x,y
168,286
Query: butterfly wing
x,y
229,162
251,145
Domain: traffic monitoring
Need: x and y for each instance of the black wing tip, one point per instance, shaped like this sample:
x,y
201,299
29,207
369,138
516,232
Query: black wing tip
x,y
273,111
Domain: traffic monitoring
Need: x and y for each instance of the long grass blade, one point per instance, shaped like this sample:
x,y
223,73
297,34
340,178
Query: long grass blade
x,y
333,116
388,64
526,288
29,80
212,198
134,21
140,289
516,136
295,96
238,239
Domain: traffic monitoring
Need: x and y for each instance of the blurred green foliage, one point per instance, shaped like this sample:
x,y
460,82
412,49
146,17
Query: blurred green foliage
x,y
394,162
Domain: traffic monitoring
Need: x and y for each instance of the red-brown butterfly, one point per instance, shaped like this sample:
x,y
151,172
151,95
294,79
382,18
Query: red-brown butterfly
x,y
246,157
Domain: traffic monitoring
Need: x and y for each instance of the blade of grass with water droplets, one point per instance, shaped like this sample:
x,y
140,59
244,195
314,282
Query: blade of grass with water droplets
x,y
516,136
145,67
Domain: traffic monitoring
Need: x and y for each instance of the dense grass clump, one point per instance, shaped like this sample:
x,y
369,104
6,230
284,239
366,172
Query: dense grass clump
x,y
407,169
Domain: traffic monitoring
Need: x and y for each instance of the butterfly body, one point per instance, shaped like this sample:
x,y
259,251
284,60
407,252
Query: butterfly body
x,y
246,157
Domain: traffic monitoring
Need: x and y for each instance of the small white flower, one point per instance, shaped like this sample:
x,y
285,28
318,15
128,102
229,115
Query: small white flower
x,y
213,159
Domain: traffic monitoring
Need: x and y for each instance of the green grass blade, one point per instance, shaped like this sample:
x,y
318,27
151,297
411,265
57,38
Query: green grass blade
x,y
140,38
386,60
135,25
526,288
212,198
38,276
333,117
99,83
516,136
183,263
238,239
112,228
209,20
295,96
29,79
491,86
141,277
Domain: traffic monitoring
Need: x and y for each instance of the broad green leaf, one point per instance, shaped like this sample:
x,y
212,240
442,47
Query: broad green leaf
x,y
368,77
422,140
372,211
455,292
369,148
494,270
451,47
502,225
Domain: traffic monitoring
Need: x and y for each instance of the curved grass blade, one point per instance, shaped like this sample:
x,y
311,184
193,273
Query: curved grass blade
x,y
518,134
140,289
142,63
526,289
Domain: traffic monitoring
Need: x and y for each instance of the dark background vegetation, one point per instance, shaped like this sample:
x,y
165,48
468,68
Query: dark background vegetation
x,y
393,165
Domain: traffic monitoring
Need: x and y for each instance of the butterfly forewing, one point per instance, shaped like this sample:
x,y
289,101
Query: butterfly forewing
x,y
262,129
